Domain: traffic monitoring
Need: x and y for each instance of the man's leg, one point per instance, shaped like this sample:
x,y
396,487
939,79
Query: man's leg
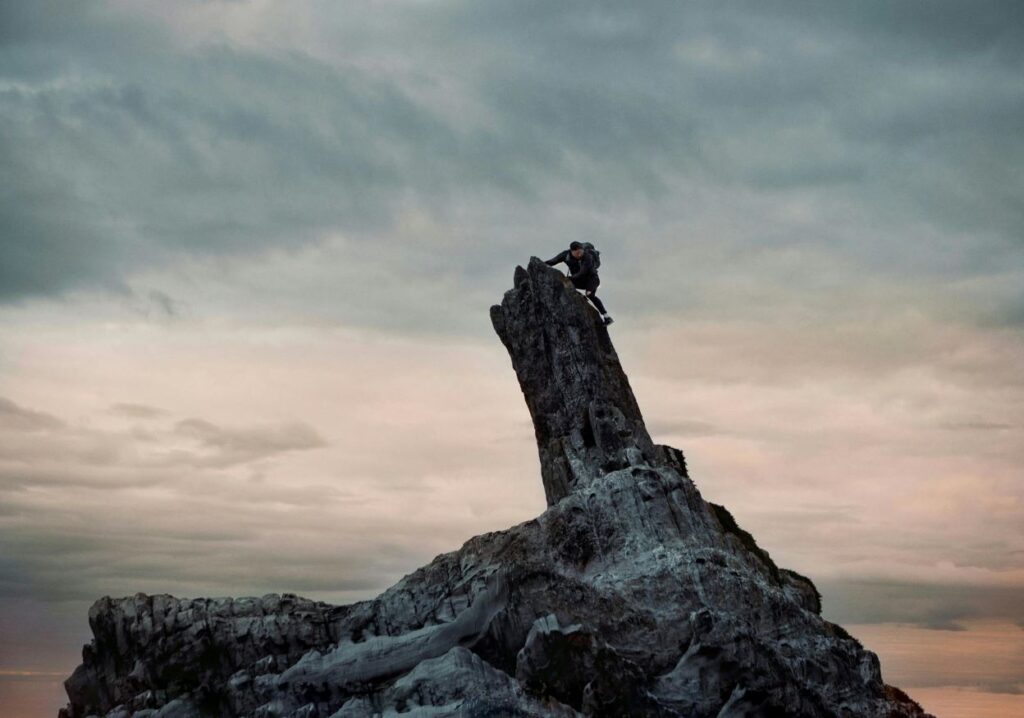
x,y
589,287
591,291
597,302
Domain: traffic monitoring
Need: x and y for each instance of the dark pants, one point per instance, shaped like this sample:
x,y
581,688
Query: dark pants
x,y
589,285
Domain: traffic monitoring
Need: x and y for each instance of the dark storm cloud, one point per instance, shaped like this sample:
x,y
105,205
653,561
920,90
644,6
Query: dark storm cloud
x,y
145,155
147,173
133,153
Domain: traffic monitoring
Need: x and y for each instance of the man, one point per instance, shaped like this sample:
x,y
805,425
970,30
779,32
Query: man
x,y
583,273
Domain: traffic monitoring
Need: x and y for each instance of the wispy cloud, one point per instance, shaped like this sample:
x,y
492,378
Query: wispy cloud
x,y
227,446
137,411
935,606
18,418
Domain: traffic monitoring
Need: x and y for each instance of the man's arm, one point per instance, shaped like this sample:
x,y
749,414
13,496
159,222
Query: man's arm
x,y
558,258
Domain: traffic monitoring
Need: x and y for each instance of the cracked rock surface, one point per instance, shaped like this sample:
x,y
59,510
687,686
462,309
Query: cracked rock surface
x,y
629,596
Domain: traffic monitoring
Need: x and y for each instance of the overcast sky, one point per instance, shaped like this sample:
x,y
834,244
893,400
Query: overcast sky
x,y
247,251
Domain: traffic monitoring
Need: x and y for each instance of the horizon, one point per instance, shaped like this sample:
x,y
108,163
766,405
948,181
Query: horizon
x,y
248,253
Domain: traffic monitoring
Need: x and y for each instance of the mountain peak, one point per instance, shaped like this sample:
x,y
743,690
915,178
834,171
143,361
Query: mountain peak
x,y
628,596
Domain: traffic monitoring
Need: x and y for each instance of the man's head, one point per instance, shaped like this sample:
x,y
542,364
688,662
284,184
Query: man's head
x,y
576,249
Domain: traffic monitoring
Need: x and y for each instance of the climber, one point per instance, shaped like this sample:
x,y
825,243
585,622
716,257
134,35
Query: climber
x,y
583,261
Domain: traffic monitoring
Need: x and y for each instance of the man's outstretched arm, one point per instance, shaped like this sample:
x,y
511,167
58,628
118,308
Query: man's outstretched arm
x,y
558,258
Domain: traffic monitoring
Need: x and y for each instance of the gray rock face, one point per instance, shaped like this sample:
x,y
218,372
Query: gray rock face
x,y
585,417
629,596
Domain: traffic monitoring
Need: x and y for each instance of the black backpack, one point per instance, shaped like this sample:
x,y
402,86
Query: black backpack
x,y
592,250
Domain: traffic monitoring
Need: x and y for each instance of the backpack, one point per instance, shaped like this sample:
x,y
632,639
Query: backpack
x,y
592,250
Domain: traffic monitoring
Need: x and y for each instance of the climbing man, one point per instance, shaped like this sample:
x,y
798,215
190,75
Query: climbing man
x,y
583,261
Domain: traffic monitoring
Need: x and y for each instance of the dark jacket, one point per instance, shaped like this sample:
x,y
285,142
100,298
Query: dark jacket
x,y
580,269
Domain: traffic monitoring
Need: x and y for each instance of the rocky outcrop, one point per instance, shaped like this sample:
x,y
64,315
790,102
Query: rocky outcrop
x,y
629,596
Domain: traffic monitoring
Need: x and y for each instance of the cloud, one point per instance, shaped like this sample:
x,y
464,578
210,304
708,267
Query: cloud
x,y
17,418
137,411
984,658
55,453
406,465
232,446
683,427
762,128
934,606
975,425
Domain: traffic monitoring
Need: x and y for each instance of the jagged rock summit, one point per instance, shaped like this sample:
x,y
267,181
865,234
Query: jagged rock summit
x,y
629,596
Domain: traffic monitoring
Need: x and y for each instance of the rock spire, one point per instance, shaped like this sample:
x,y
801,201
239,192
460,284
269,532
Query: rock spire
x,y
585,416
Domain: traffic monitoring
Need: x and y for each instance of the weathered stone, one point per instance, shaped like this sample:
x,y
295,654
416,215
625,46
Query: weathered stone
x,y
585,416
629,595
